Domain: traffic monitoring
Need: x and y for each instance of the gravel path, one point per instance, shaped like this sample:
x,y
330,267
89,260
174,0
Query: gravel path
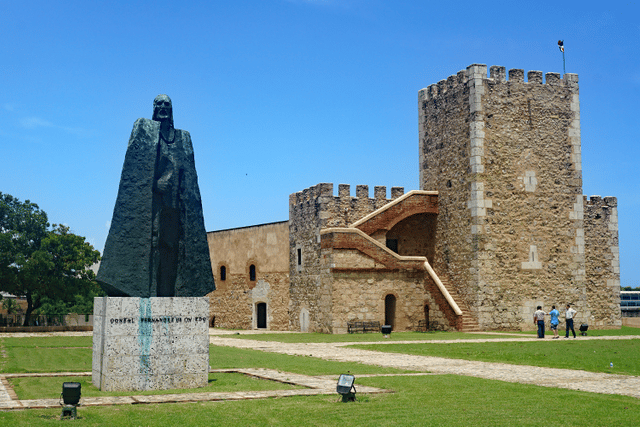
x,y
546,377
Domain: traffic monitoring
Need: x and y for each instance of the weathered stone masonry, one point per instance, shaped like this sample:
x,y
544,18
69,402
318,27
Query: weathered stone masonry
x,y
499,226
235,301
341,269
504,156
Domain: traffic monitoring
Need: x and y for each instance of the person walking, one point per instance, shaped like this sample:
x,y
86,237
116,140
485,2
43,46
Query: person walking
x,y
569,315
538,318
554,321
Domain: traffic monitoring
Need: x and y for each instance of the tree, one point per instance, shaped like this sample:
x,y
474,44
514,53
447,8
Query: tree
x,y
39,263
10,305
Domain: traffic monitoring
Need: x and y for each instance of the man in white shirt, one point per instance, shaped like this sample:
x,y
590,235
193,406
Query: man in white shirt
x,y
569,315
538,318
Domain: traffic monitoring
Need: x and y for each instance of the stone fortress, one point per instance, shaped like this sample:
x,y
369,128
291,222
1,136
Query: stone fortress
x,y
499,226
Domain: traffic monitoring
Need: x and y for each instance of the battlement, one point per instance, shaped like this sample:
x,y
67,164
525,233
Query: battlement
x,y
344,193
600,202
497,74
340,210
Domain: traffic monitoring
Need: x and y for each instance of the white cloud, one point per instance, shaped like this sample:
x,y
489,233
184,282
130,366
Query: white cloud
x,y
34,122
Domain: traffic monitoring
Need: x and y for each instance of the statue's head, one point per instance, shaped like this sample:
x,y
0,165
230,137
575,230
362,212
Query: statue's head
x,y
162,109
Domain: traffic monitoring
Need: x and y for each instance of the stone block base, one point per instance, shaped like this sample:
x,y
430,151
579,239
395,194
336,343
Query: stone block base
x,y
150,343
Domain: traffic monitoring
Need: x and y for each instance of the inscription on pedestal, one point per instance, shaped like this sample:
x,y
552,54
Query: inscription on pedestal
x,y
150,343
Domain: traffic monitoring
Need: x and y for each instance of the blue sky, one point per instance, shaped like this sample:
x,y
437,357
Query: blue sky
x,y
279,95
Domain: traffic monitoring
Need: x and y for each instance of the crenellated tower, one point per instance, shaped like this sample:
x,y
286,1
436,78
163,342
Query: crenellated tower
x,y
312,210
504,155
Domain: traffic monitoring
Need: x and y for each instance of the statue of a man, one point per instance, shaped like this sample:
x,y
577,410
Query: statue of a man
x,y
157,244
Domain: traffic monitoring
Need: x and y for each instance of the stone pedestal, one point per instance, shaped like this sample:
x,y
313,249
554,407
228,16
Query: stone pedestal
x,y
150,343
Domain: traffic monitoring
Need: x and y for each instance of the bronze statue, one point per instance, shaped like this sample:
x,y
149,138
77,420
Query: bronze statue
x,y
157,244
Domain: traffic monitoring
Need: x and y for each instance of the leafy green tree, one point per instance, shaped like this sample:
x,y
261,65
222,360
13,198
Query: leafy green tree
x,y
10,305
39,263
22,227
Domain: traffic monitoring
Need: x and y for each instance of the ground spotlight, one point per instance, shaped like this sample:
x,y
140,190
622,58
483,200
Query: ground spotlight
x,y
583,329
345,387
70,397
386,330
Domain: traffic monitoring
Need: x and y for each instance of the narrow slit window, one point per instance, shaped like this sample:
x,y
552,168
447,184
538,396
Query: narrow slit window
x,y
252,273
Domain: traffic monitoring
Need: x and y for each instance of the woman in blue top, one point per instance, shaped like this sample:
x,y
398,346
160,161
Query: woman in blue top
x,y
554,321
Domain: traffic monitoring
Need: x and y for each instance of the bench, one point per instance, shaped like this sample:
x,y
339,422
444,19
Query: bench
x,y
423,326
364,327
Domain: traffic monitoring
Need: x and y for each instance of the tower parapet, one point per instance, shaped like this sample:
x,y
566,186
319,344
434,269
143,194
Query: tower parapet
x,y
497,74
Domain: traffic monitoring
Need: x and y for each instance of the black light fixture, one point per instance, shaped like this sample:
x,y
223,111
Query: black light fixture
x,y
583,329
345,387
386,330
70,395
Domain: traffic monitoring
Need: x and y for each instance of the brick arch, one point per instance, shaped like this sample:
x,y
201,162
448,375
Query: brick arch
x,y
391,224
415,235
385,218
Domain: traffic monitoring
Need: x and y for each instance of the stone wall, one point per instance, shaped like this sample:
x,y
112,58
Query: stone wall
x,y
444,167
234,301
504,156
310,211
602,262
307,216
360,295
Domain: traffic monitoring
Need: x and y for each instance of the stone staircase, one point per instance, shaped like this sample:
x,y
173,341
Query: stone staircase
x,y
466,322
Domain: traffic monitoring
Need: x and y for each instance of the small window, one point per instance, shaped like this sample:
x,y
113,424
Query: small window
x,y
223,272
252,273
299,256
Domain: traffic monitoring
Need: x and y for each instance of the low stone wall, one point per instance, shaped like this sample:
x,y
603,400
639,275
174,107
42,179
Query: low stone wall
x,y
633,322
45,328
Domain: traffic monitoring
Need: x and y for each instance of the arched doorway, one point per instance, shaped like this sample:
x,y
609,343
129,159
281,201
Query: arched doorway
x,y
390,311
261,315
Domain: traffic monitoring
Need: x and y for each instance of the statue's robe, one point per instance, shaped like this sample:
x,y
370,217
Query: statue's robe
x,y
127,267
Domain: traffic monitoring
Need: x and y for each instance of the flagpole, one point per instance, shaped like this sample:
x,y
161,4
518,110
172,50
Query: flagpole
x,y
561,47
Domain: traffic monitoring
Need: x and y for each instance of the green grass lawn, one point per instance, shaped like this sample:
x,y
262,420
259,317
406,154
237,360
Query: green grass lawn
x,y
47,342
46,354
50,387
432,400
369,337
406,336
593,356
229,357
30,355
439,400
623,331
